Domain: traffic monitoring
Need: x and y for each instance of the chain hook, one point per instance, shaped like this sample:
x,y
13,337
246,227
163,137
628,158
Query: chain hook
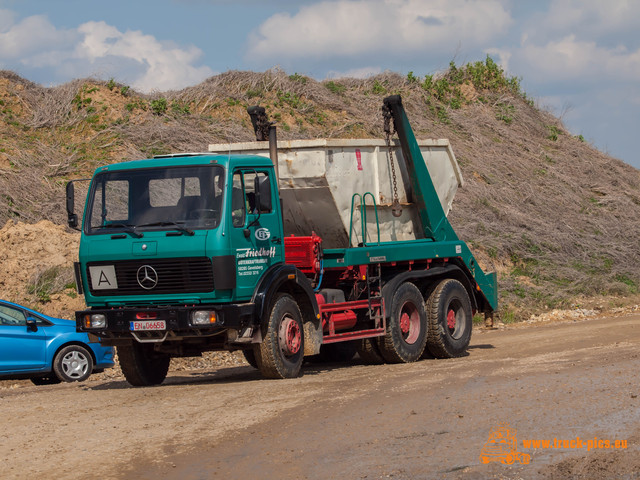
x,y
396,208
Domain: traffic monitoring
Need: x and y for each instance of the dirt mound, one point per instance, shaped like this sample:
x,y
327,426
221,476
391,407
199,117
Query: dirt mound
x,y
36,267
556,218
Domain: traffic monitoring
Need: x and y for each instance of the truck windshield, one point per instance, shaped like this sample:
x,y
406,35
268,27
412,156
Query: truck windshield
x,y
168,198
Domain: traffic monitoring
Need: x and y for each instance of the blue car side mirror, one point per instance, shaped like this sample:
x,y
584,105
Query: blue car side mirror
x,y
32,324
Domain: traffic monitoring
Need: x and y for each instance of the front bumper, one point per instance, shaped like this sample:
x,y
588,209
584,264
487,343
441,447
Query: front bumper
x,y
177,318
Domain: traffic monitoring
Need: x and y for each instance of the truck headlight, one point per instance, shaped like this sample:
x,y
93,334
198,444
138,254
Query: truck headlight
x,y
95,320
203,317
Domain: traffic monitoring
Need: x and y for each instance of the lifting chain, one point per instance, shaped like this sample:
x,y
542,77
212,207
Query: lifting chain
x,y
396,208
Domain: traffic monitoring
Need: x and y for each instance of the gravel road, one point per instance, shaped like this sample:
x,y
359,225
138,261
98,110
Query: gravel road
x,y
431,419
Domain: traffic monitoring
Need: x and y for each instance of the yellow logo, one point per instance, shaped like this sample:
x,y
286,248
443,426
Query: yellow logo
x,y
502,446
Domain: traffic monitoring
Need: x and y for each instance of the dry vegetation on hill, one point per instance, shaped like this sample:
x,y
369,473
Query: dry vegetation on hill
x,y
556,217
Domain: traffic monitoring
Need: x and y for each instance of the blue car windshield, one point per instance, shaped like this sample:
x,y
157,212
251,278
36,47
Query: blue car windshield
x,y
165,198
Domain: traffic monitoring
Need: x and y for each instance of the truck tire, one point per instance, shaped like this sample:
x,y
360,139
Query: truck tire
x,y
282,350
406,335
141,365
369,352
450,320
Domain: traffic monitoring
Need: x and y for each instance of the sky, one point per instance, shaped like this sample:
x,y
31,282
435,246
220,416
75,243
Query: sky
x,y
578,58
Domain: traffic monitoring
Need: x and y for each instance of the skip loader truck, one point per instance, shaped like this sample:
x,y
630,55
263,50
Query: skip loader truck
x,y
280,249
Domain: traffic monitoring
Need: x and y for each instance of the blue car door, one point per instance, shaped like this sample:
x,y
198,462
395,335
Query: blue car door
x,y
21,349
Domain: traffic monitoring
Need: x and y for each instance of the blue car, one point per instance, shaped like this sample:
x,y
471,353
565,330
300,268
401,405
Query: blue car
x,y
45,349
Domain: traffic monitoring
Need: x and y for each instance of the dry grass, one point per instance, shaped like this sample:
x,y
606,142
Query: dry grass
x,y
555,216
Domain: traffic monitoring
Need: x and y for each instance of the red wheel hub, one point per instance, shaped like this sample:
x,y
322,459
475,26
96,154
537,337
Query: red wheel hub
x,y
290,337
410,322
405,323
451,319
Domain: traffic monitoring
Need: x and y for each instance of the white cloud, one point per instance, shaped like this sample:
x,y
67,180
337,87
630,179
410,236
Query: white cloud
x,y
593,17
99,49
363,72
7,19
30,35
345,28
581,61
166,66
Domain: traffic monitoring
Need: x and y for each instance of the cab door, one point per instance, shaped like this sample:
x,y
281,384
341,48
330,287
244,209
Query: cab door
x,y
21,348
256,231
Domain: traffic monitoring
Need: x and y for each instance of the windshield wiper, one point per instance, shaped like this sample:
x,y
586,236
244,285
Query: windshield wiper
x,y
127,228
177,226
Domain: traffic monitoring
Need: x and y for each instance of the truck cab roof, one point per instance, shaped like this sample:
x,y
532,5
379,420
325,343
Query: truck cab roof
x,y
186,159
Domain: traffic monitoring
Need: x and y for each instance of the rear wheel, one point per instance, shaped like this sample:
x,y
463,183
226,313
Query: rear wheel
x,y
73,363
406,334
450,320
282,350
141,365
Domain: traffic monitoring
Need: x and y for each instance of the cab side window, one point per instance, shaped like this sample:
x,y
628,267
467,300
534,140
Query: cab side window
x,y
238,210
243,199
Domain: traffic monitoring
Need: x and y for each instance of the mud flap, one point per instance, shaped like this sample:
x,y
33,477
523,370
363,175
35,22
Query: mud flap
x,y
312,338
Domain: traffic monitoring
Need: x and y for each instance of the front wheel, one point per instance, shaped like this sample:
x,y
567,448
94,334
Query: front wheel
x,y
282,350
141,365
73,364
406,334
450,320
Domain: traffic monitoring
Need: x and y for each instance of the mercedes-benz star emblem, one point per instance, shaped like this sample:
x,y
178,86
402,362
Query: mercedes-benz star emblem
x,y
147,277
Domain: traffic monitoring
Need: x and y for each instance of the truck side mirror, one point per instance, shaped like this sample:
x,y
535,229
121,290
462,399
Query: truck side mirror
x,y
263,193
72,218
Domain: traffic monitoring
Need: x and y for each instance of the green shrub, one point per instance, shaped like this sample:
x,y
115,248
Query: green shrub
x,y
180,108
159,106
289,98
378,88
296,77
335,87
554,132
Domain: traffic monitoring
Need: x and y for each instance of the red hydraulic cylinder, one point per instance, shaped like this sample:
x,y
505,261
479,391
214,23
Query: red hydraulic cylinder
x,y
336,317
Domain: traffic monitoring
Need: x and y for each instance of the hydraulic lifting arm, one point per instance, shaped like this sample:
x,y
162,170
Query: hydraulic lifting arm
x,y
434,222
432,217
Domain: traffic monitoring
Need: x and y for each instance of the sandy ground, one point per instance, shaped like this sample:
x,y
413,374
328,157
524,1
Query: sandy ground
x,y
424,420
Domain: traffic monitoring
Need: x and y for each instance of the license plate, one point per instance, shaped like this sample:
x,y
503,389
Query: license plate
x,y
148,325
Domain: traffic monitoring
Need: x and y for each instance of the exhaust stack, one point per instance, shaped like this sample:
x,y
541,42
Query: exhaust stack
x,y
265,130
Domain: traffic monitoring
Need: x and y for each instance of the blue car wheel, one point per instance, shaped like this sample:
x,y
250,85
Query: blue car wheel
x,y
73,364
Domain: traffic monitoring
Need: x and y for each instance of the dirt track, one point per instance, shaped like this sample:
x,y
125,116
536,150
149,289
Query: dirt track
x,y
424,420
